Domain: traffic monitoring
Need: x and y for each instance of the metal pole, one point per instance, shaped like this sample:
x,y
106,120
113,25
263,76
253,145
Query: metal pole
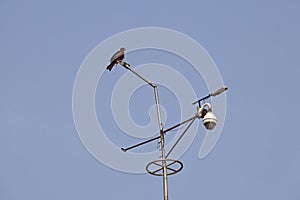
x,y
165,176
162,137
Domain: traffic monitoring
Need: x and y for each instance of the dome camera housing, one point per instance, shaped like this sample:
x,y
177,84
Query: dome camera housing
x,y
209,120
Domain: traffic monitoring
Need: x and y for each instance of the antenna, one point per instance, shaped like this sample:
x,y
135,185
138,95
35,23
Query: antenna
x,y
165,166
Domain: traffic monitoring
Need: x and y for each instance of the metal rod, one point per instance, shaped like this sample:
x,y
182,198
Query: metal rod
x,y
158,109
181,123
127,66
180,137
213,94
139,144
162,138
165,175
199,100
141,77
155,138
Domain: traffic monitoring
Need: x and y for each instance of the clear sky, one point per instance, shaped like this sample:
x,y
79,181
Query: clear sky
x,y
255,45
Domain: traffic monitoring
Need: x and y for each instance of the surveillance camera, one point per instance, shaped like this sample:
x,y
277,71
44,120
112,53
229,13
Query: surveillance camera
x,y
209,120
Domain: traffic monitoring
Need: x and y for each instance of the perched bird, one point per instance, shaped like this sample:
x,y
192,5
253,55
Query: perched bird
x,y
118,56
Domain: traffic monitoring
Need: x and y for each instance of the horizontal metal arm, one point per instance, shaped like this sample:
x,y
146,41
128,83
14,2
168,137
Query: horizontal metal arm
x,y
155,138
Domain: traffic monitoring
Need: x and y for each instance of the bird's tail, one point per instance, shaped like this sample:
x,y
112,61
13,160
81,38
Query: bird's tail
x,y
110,66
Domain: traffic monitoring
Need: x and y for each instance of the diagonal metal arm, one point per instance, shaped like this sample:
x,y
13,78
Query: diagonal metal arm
x,y
127,66
180,137
213,94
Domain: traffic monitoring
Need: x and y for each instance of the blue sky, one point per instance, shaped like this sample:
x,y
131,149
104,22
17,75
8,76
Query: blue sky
x,y
255,45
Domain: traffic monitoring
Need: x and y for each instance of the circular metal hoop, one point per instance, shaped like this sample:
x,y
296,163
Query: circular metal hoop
x,y
156,167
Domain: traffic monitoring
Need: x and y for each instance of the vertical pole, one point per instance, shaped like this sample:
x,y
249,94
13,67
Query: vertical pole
x,y
161,131
165,177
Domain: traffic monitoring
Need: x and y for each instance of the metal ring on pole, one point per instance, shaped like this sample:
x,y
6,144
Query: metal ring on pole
x,y
156,167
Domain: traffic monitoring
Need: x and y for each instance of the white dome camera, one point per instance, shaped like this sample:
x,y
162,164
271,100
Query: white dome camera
x,y
209,120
